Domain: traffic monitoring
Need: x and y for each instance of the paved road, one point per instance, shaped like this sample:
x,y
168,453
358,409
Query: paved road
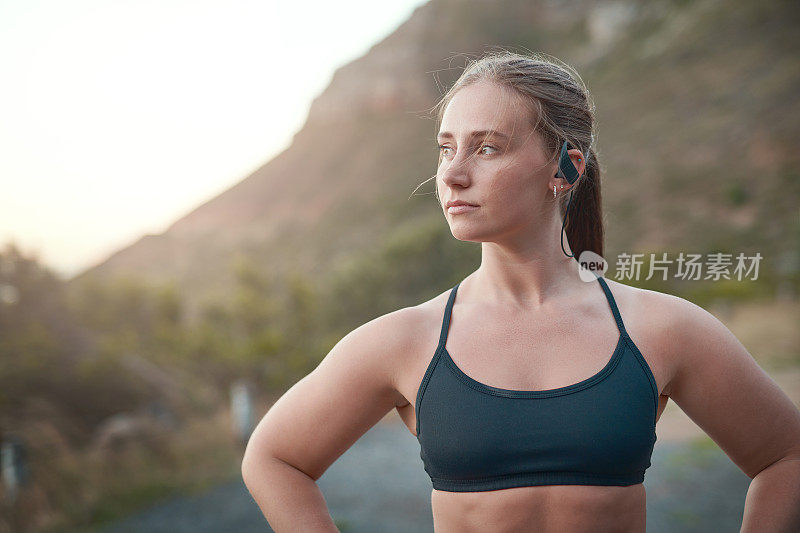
x,y
379,484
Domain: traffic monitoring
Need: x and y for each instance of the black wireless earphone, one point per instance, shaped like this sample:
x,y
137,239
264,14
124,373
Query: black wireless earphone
x,y
567,171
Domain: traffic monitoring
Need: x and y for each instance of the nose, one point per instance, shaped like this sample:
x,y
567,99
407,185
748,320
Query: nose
x,y
455,171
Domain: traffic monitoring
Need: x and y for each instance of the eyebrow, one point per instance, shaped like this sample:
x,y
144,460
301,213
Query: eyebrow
x,y
448,135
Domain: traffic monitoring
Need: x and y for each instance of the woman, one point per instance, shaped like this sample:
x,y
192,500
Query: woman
x,y
537,409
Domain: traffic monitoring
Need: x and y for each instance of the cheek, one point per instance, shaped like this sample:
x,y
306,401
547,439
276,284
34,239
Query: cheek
x,y
514,194
507,186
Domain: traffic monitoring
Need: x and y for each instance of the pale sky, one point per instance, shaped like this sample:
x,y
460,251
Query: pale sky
x,y
118,117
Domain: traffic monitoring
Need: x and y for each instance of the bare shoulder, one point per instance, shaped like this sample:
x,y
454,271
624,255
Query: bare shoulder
x,y
657,321
651,308
641,296
420,326
676,330
352,388
398,341
386,341
718,383
672,318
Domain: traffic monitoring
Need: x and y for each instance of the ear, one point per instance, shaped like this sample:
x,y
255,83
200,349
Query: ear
x,y
578,161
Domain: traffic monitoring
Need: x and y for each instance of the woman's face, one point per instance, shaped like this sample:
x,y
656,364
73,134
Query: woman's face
x,y
491,157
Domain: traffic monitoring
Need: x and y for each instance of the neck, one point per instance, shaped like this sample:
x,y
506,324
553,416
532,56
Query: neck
x,y
527,275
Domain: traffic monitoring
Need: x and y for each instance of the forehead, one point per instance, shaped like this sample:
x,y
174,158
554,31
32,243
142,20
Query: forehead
x,y
484,105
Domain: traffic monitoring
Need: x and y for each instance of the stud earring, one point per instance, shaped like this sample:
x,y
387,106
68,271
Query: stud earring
x,y
554,190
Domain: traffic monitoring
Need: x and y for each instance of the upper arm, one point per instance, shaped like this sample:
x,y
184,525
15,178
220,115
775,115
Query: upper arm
x,y
324,413
719,385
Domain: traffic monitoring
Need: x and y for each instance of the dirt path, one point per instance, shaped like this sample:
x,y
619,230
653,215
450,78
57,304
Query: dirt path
x,y
379,484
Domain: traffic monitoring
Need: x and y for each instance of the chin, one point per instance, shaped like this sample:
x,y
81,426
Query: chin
x,y
467,234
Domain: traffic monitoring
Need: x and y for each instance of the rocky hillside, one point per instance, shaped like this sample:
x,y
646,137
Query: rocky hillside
x,y
697,107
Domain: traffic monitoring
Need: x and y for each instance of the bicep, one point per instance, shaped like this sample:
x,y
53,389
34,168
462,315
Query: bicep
x,y
324,413
721,387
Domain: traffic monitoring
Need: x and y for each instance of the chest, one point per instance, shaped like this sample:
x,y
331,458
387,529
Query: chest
x,y
604,423
513,355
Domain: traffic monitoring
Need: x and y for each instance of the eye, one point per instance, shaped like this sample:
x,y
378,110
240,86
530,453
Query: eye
x,y
442,149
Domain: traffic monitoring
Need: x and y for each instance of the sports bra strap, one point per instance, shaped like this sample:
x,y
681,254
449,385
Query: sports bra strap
x,y
613,305
447,311
610,297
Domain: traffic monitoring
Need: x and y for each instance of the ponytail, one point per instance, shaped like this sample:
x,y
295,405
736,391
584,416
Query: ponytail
x,y
584,226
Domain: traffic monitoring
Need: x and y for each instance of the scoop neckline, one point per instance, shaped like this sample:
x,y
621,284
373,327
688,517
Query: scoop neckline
x,y
542,393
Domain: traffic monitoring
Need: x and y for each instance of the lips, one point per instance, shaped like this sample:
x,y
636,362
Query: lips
x,y
461,208
453,203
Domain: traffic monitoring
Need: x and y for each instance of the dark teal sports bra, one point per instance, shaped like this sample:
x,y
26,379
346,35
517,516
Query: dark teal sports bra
x,y
600,431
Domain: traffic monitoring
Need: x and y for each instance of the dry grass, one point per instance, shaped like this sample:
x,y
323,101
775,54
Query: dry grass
x,y
72,489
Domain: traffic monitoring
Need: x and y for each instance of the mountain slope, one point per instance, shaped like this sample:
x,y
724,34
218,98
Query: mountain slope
x,y
697,106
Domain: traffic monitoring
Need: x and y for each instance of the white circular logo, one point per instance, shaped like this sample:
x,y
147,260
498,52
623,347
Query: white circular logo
x,y
591,265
